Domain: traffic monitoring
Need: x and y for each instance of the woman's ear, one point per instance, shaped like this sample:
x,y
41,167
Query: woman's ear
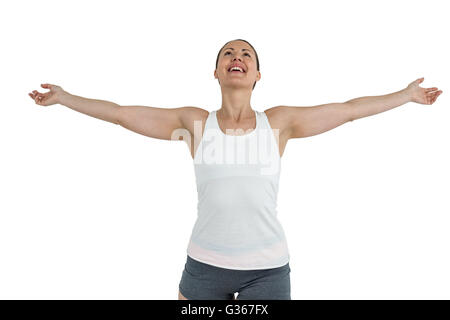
x,y
215,76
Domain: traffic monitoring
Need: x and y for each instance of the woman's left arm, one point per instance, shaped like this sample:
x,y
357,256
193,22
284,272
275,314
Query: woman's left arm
x,y
303,122
367,106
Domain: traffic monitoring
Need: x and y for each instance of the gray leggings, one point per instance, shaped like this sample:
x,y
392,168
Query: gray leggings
x,y
201,281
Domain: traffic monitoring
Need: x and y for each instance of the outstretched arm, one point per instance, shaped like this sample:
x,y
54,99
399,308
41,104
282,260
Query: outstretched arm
x,y
367,106
308,121
159,123
100,109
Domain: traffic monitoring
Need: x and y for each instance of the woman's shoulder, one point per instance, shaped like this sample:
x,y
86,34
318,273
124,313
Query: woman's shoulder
x,y
278,116
191,115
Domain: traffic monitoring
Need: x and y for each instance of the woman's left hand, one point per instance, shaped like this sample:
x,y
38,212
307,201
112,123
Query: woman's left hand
x,y
422,95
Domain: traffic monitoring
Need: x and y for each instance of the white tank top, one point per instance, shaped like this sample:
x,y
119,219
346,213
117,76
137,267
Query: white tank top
x,y
237,180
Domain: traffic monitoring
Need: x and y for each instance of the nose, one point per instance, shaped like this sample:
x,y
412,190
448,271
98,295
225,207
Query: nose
x,y
235,57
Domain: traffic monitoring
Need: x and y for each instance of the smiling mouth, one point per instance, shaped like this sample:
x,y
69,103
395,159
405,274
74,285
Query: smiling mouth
x,y
236,70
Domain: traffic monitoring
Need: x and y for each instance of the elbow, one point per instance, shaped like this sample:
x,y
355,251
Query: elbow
x,y
350,112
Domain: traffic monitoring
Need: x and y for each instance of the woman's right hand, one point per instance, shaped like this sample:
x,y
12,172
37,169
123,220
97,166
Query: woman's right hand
x,y
48,98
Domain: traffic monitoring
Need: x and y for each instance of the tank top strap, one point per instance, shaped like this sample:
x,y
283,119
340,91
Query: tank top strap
x,y
271,132
209,124
264,121
258,120
213,121
210,121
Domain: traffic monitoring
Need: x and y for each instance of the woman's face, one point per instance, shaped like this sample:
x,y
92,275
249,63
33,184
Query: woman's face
x,y
241,54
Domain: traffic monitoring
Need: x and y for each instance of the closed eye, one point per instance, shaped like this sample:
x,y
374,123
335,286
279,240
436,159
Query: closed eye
x,y
230,52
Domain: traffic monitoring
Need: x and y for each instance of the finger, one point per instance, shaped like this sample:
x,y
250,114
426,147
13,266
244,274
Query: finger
x,y
46,85
434,94
433,99
429,98
430,89
437,95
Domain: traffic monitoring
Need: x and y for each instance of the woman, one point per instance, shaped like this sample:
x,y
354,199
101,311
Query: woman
x,y
237,244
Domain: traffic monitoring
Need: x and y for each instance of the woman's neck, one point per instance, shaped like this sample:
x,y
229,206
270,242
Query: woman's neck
x,y
236,106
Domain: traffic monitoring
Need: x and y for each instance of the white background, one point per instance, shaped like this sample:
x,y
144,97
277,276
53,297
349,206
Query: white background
x,y
91,210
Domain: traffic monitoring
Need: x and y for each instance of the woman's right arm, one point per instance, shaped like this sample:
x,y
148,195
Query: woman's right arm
x,y
99,109
159,123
